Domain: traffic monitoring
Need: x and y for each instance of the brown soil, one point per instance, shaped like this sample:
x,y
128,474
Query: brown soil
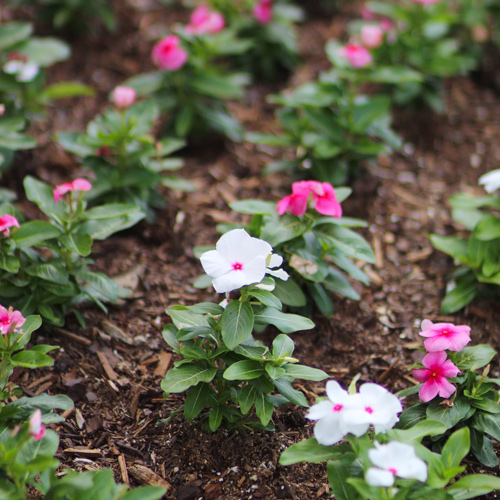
x,y
114,378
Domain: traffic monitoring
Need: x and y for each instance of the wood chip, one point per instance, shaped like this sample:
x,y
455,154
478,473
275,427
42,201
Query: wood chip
x,y
80,421
81,450
117,333
73,336
39,381
143,475
161,369
43,388
112,375
123,469
379,252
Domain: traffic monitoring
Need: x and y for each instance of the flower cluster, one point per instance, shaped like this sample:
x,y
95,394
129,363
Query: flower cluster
x,y
239,260
6,222
343,413
68,187
168,54
322,195
437,368
205,20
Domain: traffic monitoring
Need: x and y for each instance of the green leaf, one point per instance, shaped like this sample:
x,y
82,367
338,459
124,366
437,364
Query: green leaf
x,y
422,428
488,228
246,398
474,357
305,372
195,400
63,90
451,245
474,485
411,416
449,416
290,293
215,418
185,376
244,370
46,51
45,402
266,298
488,423
79,243
31,359
456,448
49,272
110,210
287,323
182,317
217,86
12,33
311,451
254,207
264,408
144,493
321,298
338,473
283,346
100,283
35,232
457,298
103,228
9,263
285,388
237,323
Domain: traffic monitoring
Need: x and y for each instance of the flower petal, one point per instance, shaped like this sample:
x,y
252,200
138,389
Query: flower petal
x,y
379,477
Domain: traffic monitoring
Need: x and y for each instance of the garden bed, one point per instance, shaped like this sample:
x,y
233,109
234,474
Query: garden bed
x,y
112,369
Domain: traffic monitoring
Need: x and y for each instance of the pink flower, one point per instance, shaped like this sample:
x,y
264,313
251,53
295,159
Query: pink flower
x,y
323,197
444,336
434,376
263,11
168,55
123,97
2,109
10,320
357,55
76,185
7,221
37,429
372,35
204,20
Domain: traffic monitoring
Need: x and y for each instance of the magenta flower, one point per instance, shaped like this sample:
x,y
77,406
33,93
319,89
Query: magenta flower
x,y
10,320
204,20
357,55
123,97
76,185
7,221
263,11
444,336
37,429
168,55
372,35
434,376
323,197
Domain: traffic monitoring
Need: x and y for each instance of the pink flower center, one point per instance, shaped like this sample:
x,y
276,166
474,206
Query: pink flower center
x,y
393,471
369,409
445,332
237,266
338,407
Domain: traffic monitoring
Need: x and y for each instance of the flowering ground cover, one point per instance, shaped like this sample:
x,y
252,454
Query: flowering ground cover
x,y
112,368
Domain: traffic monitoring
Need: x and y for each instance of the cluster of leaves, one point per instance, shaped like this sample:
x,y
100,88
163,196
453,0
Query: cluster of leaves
x,y
329,127
348,463
227,371
474,405
120,148
317,250
478,255
26,461
193,96
73,16
44,265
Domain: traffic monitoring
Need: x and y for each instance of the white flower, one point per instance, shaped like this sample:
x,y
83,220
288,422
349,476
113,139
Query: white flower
x,y
331,426
394,459
491,180
24,71
373,405
239,260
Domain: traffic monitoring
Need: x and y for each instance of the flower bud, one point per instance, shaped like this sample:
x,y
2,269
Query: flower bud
x,y
123,97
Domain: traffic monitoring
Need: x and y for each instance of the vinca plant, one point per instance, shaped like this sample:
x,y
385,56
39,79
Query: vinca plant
x,y
384,463
230,376
317,243
190,87
451,390
121,150
476,254
44,264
